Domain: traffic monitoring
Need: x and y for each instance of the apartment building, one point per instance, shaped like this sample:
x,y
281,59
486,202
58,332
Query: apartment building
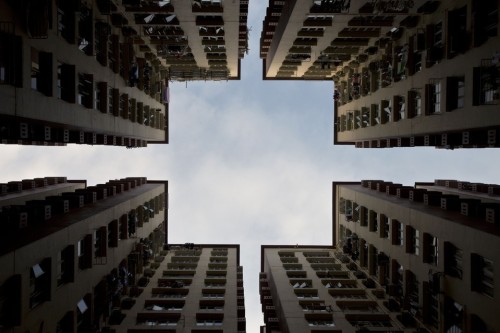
x,y
195,288
405,73
429,81
321,289
73,255
432,246
97,71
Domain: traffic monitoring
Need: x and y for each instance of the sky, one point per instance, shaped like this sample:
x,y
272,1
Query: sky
x,y
251,163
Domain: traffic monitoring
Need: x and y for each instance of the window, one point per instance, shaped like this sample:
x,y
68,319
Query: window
x,y
397,233
35,69
114,53
453,260
213,293
85,90
397,271
370,323
157,322
41,72
66,77
292,267
163,306
414,104
328,323
412,291
111,105
485,83
438,34
40,283
374,115
113,233
412,240
434,43
455,93
309,294
313,306
482,277
209,322
10,302
211,307
365,306
364,216
85,36
124,106
100,242
453,316
65,265
66,323
66,20
102,31
10,59
372,262
433,97
433,309
457,32
385,223
83,314
84,252
430,249
123,225
485,21
373,222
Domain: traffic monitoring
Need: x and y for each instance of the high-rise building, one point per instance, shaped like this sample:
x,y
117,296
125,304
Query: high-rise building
x,y
97,71
405,73
432,246
429,81
196,288
321,289
73,255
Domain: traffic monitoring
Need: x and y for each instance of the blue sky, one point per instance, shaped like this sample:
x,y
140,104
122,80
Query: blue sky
x,y
250,162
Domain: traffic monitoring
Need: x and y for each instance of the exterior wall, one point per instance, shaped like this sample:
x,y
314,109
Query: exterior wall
x,y
473,125
191,318
370,50
38,243
96,72
233,14
472,235
39,109
41,191
334,287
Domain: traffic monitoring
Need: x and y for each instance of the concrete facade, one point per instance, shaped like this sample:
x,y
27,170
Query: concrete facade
x,y
196,288
70,260
433,246
320,289
405,73
97,72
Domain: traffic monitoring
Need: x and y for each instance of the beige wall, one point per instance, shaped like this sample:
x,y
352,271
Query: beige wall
x,y
446,226
78,224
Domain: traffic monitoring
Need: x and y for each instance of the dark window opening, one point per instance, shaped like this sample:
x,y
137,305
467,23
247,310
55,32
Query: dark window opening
x,y
86,90
455,93
484,21
482,275
453,260
84,252
66,20
40,283
65,265
457,32
10,302
85,35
